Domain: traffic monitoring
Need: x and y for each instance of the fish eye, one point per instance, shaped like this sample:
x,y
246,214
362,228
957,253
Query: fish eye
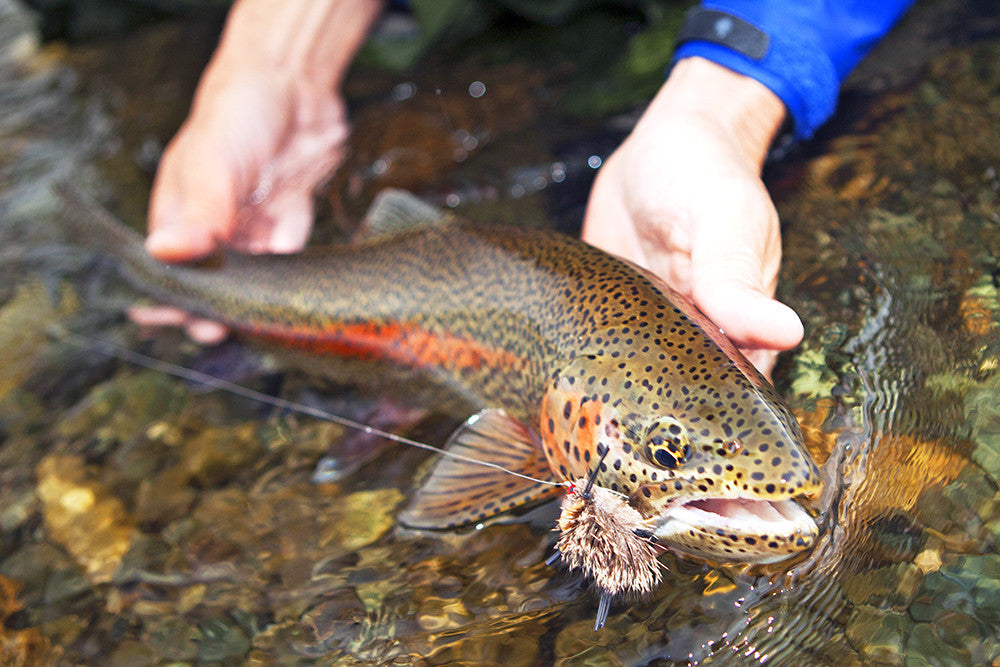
x,y
667,443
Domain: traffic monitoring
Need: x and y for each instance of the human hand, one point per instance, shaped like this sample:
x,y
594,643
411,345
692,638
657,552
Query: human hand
x,y
267,123
682,197
241,172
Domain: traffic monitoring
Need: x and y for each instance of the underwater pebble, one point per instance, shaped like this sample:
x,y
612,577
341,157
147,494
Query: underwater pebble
x,y
37,568
164,497
986,597
124,407
437,615
362,518
980,308
928,560
174,639
215,455
957,630
910,580
21,647
925,648
221,639
22,331
493,646
83,516
878,635
131,653
336,620
16,508
923,610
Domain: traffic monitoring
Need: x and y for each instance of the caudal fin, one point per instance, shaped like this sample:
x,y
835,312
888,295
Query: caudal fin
x,y
92,226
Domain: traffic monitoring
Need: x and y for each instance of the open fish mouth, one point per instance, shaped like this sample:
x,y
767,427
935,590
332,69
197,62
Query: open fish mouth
x,y
737,529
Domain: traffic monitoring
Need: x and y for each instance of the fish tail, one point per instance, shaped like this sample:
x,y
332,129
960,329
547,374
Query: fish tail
x,y
89,224
92,226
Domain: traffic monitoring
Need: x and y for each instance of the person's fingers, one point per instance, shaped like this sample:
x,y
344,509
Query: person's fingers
x,y
192,205
293,213
735,268
733,280
206,332
762,360
608,223
216,168
749,318
157,316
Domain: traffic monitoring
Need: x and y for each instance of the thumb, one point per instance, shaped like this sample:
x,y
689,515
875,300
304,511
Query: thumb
x,y
193,203
751,318
733,281
735,271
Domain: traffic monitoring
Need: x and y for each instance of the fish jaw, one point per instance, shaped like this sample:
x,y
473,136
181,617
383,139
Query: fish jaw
x,y
749,530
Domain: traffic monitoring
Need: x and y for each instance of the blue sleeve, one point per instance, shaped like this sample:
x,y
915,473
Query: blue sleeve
x,y
813,45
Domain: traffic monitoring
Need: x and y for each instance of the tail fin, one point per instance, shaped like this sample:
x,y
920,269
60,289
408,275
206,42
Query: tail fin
x,y
92,226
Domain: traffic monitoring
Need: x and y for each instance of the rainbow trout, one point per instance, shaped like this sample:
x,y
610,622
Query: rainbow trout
x,y
580,365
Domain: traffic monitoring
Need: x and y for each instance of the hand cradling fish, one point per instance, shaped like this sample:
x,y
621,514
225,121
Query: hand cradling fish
x,y
579,368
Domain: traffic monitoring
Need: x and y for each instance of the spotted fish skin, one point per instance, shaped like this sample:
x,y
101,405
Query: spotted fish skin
x,y
580,349
689,440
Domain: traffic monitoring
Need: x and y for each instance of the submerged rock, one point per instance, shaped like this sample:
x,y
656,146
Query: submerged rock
x,y
21,647
83,516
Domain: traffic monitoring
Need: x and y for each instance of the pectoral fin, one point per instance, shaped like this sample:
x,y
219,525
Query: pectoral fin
x,y
461,490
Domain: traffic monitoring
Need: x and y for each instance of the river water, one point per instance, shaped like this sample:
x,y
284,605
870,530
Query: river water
x,y
147,520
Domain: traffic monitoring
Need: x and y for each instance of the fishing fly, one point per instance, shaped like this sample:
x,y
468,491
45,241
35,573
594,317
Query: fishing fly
x,y
608,540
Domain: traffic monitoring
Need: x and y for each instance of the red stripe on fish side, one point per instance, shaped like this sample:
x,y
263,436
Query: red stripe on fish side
x,y
401,343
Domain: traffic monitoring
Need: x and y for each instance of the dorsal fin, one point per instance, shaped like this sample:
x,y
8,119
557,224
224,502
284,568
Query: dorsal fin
x,y
460,492
397,211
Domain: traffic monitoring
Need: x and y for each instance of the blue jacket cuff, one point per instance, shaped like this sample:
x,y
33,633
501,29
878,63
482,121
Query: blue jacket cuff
x,y
800,74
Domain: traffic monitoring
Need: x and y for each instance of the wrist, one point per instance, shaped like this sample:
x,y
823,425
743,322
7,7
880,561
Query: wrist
x,y
309,41
740,106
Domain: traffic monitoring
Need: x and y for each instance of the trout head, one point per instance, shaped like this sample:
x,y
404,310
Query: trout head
x,y
714,459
